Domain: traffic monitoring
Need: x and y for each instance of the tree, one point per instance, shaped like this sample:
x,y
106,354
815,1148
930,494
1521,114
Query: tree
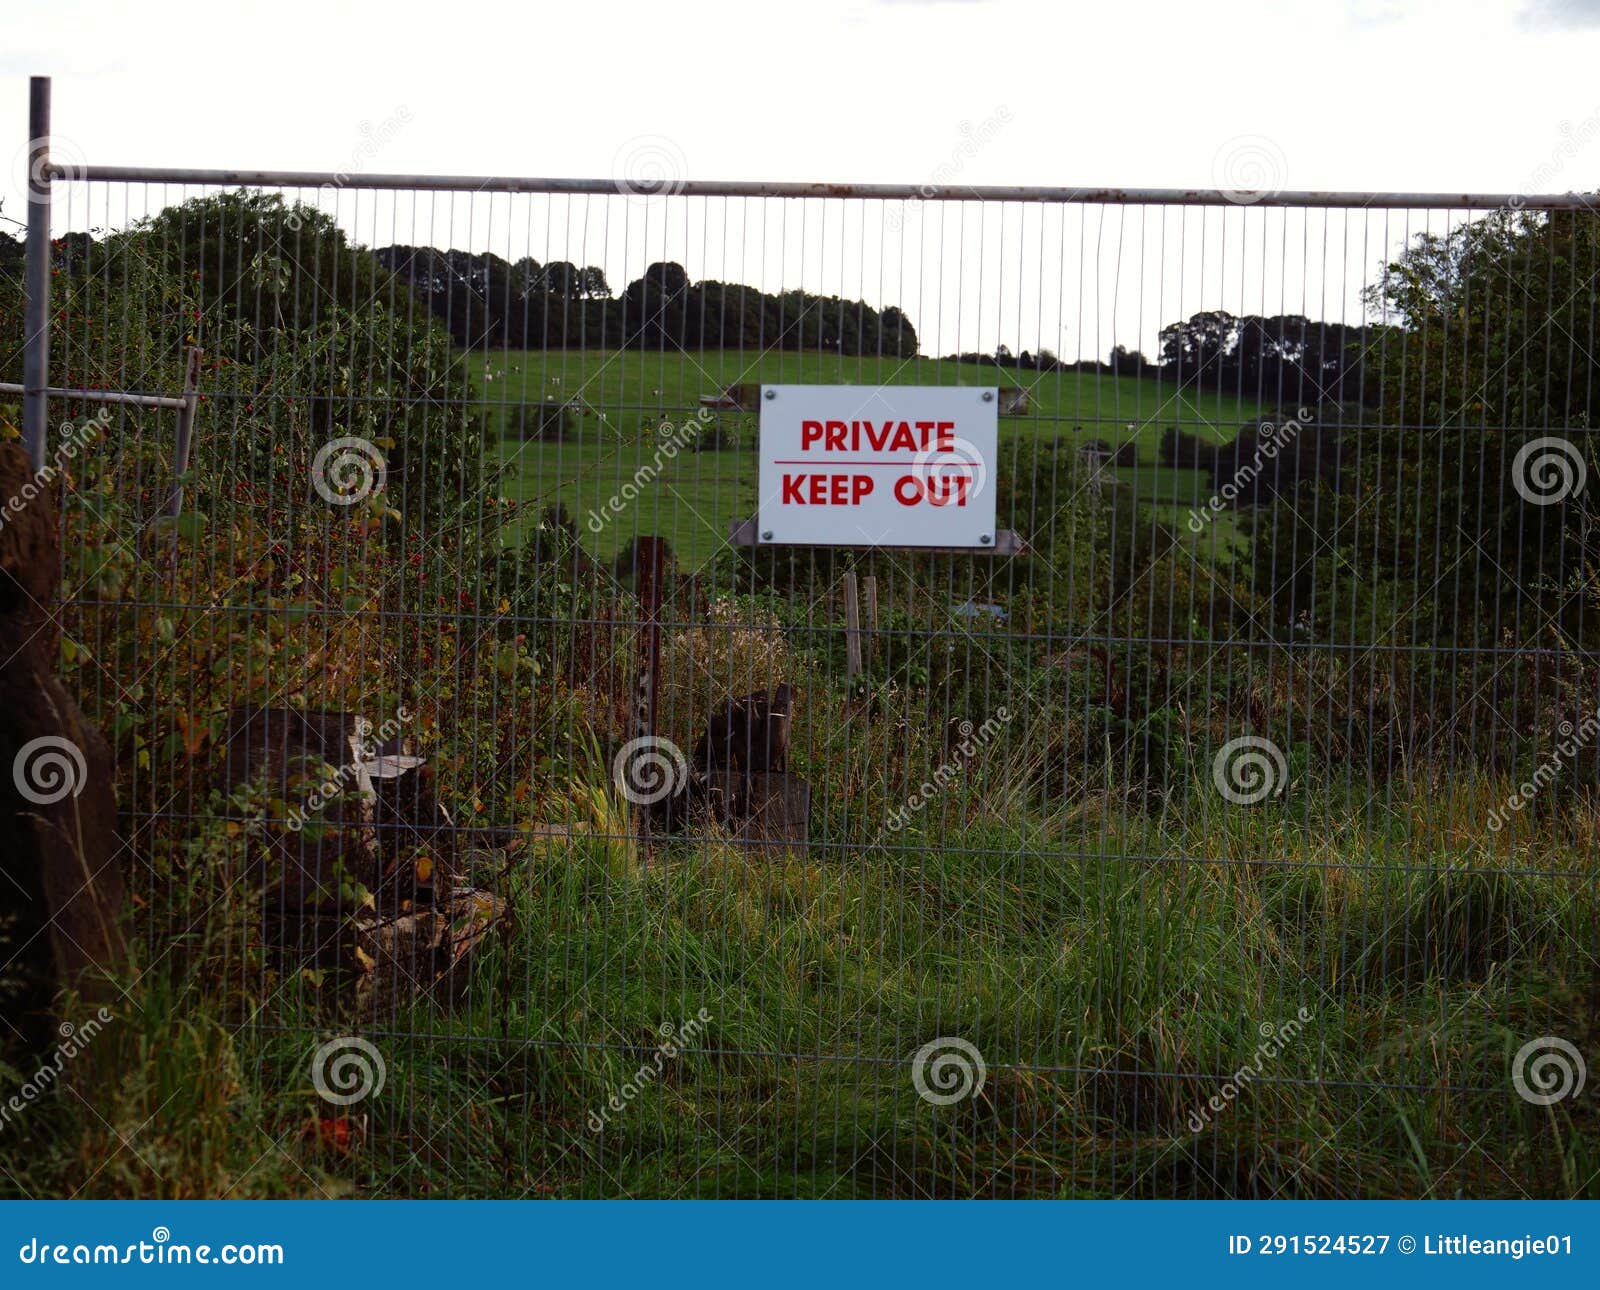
x,y
563,280
331,337
897,337
1465,470
527,277
1197,348
1124,362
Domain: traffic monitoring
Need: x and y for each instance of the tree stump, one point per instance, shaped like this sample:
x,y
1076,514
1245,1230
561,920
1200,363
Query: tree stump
x,y
61,887
367,826
768,811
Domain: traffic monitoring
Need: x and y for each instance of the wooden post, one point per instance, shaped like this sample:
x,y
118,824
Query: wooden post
x,y
191,397
650,555
871,585
852,628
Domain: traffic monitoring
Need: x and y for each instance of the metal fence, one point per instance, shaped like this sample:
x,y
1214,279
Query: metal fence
x,y
1231,835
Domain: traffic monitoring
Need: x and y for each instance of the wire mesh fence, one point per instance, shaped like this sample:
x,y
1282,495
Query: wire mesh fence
x,y
526,832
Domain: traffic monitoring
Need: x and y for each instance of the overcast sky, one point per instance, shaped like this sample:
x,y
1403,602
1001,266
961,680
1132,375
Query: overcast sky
x,y
1374,94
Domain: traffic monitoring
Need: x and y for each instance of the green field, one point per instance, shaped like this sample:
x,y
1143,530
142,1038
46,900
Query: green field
x,y
622,399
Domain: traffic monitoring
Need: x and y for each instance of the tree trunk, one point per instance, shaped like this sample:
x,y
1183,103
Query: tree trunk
x,y
61,888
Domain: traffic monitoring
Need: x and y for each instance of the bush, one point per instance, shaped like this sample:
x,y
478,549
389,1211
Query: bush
x,y
738,650
546,422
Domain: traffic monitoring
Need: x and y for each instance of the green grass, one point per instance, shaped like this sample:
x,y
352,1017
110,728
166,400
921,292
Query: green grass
x,y
622,399
1110,997
689,503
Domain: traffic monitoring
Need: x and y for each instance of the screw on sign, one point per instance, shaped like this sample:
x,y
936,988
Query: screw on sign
x,y
852,465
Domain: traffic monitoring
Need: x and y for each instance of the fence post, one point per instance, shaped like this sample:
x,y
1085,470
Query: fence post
x,y
852,628
36,277
650,555
870,586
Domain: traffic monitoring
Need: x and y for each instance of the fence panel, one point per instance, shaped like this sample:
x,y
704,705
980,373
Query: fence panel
x,y
531,837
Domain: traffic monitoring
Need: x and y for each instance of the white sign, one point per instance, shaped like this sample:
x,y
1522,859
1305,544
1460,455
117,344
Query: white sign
x,y
878,465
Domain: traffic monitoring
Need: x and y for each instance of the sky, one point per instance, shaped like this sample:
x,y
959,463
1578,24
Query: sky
x,y
1407,95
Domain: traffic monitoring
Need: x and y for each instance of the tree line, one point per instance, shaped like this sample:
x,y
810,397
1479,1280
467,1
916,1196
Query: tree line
x,y
485,301
1282,359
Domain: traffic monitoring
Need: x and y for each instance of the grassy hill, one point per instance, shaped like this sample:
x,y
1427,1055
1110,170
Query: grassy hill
x,y
621,399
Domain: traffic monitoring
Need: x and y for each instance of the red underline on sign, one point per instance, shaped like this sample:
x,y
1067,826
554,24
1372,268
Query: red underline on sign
x,y
837,461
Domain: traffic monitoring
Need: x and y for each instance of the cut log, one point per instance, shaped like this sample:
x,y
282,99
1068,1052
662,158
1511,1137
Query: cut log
x,y
423,954
383,962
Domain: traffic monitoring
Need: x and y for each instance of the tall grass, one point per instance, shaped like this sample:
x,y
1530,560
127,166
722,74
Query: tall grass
x,y
1114,969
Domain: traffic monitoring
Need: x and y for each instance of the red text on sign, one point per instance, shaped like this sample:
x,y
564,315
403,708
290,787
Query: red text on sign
x,y
825,489
879,436
940,490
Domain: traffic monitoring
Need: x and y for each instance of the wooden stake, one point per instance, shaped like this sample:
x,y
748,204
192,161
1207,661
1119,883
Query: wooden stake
x,y
852,628
871,585
650,572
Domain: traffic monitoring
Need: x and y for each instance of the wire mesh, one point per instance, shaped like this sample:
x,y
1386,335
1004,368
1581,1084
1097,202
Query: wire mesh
x,y
1233,840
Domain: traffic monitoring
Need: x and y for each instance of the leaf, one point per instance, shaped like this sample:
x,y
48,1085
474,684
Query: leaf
x,y
357,894
190,525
